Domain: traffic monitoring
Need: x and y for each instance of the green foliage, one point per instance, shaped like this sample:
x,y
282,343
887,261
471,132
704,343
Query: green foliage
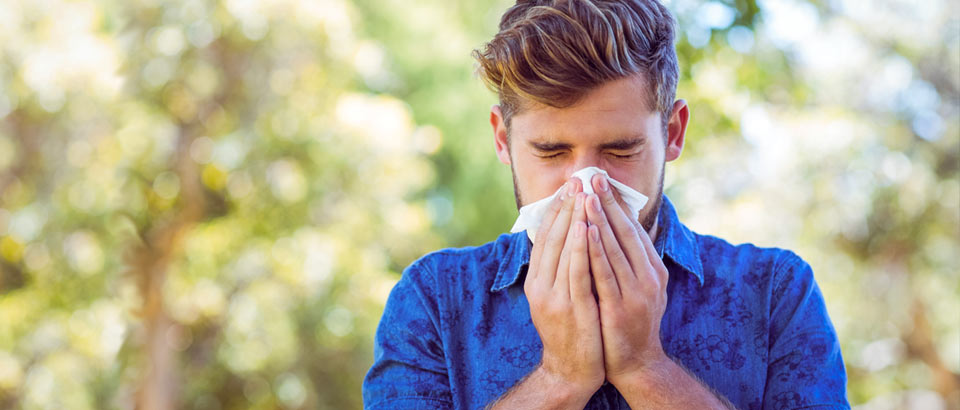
x,y
227,191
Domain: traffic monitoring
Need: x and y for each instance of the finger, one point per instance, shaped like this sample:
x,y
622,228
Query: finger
x,y
615,256
579,259
577,264
654,261
603,277
562,284
555,238
545,224
624,230
653,257
617,197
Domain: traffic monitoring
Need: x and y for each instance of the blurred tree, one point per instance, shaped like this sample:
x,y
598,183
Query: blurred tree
x,y
198,210
204,204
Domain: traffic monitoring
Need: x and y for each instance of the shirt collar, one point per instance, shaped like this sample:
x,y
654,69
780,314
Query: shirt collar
x,y
675,243
514,261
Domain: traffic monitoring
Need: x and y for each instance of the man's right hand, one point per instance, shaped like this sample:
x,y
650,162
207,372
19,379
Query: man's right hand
x,y
562,305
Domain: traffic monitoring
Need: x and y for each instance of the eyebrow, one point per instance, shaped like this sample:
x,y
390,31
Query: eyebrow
x,y
625,143
550,146
622,144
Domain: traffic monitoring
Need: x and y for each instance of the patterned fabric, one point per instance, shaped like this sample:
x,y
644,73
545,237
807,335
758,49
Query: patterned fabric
x,y
749,322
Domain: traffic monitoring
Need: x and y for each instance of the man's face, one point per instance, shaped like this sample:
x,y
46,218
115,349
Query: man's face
x,y
612,128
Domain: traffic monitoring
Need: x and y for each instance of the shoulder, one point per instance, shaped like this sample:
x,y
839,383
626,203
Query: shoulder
x,y
461,265
463,259
762,267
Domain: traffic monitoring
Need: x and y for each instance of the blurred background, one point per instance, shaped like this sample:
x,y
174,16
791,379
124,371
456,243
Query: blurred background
x,y
204,204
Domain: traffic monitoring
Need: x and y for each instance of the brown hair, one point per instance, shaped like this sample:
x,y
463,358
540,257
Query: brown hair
x,y
553,52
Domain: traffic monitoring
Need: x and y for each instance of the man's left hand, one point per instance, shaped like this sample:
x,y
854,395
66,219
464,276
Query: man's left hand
x,y
631,284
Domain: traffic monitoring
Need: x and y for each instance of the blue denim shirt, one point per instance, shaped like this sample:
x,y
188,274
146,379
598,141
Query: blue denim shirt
x,y
749,322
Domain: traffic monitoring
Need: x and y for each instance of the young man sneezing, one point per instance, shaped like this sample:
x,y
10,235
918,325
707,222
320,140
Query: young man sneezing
x,y
600,298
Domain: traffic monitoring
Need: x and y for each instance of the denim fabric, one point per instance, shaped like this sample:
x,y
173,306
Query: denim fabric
x,y
749,322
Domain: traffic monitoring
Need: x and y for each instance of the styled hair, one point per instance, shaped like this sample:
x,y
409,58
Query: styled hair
x,y
554,52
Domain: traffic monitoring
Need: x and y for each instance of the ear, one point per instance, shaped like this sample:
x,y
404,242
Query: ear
x,y
677,129
500,134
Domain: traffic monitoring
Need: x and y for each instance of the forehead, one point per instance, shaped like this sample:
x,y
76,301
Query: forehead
x,y
616,109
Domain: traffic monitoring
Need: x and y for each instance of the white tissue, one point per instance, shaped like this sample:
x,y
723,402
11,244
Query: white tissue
x,y
532,214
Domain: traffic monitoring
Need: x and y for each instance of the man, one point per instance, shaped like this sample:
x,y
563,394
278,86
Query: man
x,y
602,310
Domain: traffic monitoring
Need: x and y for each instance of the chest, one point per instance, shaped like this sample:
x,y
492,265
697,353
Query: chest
x,y
715,332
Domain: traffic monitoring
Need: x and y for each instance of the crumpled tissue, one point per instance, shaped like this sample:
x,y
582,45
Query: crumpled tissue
x,y
532,214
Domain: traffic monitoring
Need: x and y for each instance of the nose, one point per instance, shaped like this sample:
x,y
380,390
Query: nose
x,y
584,160
581,161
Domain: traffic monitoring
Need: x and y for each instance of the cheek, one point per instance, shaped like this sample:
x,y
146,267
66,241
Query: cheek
x,y
641,175
538,180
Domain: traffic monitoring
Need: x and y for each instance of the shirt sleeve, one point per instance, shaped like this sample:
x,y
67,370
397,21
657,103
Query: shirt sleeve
x,y
409,369
806,368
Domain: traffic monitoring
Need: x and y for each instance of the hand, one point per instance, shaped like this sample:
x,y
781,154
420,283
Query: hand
x,y
631,283
562,305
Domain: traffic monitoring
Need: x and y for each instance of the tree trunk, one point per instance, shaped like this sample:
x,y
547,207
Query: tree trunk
x,y
159,384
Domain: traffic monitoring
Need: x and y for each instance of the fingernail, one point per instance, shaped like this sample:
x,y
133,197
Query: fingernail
x,y
595,202
603,184
578,231
578,204
595,235
571,189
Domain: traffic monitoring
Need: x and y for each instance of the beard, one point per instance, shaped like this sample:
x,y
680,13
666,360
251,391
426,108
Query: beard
x,y
646,220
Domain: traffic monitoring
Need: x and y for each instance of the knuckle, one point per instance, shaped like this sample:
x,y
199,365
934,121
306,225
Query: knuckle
x,y
548,306
556,204
628,228
554,237
663,273
564,254
608,198
542,232
614,317
554,307
620,231
637,308
533,295
647,287
580,245
594,220
580,249
595,251
605,275
618,256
